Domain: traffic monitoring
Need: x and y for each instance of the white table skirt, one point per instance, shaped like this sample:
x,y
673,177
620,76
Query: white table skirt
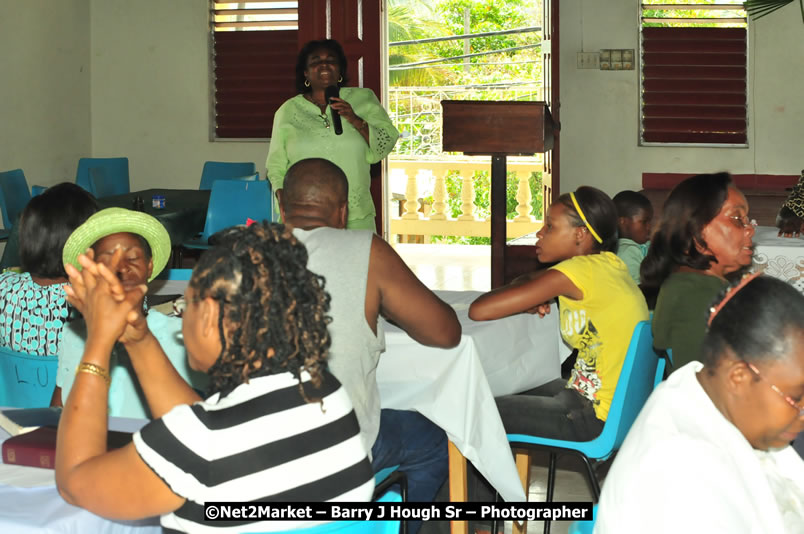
x,y
780,257
455,388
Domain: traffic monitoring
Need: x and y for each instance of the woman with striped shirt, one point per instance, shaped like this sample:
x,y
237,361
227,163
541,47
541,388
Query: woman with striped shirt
x,y
276,425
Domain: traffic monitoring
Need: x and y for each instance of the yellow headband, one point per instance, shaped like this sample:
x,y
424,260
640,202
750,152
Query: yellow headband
x,y
583,218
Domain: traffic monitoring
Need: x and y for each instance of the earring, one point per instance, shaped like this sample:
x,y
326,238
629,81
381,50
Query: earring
x,y
307,83
340,79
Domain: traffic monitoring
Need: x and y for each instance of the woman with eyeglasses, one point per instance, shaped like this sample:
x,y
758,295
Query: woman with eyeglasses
x,y
710,450
305,127
704,238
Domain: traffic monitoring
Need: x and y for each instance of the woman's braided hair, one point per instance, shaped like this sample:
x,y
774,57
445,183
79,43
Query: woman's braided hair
x,y
273,310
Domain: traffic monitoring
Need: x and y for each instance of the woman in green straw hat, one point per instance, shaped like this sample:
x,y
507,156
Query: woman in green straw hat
x,y
145,248
276,426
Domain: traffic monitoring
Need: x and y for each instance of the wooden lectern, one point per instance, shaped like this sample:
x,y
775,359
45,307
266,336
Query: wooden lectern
x,y
497,129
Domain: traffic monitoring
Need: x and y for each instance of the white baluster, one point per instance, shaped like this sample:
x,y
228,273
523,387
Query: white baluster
x,y
523,197
439,198
467,197
411,199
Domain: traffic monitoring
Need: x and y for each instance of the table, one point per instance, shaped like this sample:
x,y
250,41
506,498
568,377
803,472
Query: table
x,y
780,257
455,388
183,216
30,502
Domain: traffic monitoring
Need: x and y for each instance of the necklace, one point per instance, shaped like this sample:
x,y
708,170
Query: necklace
x,y
322,115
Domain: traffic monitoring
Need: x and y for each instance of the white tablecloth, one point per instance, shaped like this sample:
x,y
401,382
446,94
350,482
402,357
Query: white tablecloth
x,y
29,501
455,388
780,257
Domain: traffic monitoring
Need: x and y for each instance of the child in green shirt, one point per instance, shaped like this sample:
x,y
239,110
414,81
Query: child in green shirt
x,y
634,216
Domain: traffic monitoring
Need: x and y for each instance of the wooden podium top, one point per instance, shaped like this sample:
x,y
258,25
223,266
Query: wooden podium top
x,y
496,127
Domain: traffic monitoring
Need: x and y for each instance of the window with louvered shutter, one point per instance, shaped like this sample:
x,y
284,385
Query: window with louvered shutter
x,y
254,47
694,74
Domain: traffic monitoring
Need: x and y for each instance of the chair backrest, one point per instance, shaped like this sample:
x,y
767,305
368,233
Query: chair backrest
x,y
26,381
116,170
358,527
14,195
231,202
100,185
175,274
225,170
636,382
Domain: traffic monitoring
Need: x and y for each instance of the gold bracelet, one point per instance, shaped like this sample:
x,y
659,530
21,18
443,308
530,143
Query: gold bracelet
x,y
93,369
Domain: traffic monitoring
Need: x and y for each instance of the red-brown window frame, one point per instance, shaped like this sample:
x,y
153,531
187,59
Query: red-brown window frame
x,y
253,73
694,86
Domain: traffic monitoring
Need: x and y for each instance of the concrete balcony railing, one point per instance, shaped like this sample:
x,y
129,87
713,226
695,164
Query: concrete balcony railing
x,y
426,177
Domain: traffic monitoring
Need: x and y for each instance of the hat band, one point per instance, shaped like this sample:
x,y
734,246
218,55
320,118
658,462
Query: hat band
x,y
583,218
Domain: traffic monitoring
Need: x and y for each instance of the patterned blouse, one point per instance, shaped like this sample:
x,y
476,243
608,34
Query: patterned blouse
x,y
31,316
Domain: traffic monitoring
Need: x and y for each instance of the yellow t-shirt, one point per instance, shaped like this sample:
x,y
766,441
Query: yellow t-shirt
x,y
599,325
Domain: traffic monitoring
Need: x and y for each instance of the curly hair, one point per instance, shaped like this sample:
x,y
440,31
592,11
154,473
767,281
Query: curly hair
x,y
273,309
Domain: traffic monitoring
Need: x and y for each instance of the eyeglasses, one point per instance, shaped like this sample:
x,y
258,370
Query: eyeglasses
x,y
740,221
797,405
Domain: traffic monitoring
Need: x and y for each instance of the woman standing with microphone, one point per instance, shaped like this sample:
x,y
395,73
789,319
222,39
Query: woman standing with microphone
x,y
345,125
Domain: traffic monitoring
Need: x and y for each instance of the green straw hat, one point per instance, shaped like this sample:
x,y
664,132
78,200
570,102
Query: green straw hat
x,y
115,220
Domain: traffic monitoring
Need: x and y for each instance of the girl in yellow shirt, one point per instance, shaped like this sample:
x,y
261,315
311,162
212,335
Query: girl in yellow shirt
x,y
599,305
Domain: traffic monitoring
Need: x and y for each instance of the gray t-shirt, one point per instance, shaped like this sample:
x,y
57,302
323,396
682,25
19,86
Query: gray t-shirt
x,y
342,258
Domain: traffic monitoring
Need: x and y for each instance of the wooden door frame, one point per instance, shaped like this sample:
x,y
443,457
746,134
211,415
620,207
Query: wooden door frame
x,y
357,26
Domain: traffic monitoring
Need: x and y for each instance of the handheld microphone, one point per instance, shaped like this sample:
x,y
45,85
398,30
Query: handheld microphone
x,y
329,92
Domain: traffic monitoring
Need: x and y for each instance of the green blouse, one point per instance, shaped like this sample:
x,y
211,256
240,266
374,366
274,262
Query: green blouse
x,y
299,132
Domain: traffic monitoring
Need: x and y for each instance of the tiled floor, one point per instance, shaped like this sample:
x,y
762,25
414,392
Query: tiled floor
x,y
571,485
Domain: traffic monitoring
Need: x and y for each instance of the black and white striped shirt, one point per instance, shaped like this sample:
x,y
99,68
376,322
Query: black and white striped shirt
x,y
262,442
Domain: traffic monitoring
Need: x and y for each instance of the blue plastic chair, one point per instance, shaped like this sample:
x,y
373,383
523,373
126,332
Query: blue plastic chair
x,y
224,170
665,361
584,527
37,190
175,274
116,170
26,381
636,382
14,196
231,202
100,185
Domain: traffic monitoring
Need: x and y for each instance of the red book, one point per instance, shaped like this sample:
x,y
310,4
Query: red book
x,y
38,447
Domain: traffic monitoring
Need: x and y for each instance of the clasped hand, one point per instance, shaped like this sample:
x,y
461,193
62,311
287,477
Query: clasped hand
x,y
111,313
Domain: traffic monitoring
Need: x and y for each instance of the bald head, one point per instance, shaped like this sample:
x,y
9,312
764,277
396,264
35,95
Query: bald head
x,y
315,193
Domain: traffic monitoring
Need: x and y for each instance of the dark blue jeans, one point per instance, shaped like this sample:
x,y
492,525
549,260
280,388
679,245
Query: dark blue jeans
x,y
418,447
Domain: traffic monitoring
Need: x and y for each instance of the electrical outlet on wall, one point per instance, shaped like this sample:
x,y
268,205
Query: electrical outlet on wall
x,y
588,60
617,59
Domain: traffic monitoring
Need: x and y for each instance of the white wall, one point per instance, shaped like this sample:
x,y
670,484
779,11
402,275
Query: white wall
x,y
600,109
45,88
151,93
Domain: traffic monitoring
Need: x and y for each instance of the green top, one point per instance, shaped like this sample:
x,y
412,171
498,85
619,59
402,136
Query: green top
x,y
632,253
682,309
299,132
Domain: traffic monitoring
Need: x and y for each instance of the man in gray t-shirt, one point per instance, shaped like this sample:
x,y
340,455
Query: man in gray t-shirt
x,y
366,278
